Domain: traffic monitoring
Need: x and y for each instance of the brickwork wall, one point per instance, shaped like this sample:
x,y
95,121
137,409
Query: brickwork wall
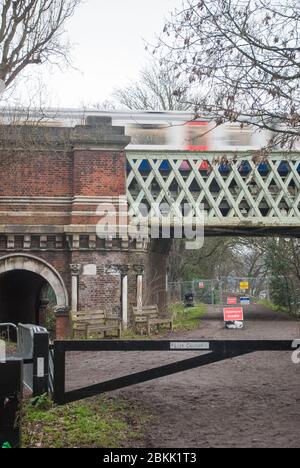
x,y
51,181
36,173
99,173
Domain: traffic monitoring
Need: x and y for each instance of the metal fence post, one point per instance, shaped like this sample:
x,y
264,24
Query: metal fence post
x,y
40,363
268,289
221,291
59,362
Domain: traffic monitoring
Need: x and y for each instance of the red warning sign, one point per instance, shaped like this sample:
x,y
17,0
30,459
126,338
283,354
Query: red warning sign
x,y
232,301
233,314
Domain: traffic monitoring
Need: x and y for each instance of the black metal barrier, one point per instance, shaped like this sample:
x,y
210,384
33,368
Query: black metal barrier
x,y
33,348
11,389
211,352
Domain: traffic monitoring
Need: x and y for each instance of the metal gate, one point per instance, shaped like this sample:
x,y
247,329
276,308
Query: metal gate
x,y
216,291
210,352
206,291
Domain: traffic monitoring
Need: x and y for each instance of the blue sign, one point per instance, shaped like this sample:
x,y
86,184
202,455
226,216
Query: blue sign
x,y
245,300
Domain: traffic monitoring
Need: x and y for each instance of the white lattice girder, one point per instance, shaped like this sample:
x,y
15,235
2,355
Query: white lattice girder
x,y
279,195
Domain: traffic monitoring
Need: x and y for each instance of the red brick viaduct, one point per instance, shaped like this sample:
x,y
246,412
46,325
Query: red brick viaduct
x,y
52,181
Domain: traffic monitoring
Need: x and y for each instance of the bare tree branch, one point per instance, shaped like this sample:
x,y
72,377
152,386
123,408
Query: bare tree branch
x,y
157,89
31,33
242,59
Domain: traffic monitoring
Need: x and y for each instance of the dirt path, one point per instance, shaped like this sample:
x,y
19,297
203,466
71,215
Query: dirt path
x,y
250,401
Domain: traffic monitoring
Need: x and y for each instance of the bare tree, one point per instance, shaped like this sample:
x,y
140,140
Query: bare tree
x,y
242,58
155,90
31,33
106,105
217,258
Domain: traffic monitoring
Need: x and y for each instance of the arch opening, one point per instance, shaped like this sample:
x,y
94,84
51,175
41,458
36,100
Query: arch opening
x,y
29,290
24,297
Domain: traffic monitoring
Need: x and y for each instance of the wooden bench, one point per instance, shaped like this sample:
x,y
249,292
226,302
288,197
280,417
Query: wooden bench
x,y
148,316
94,322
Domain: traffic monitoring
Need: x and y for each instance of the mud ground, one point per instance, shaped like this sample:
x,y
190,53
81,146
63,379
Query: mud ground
x,y
249,401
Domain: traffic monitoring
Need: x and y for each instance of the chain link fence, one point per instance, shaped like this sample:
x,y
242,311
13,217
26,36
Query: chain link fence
x,y
280,291
258,288
204,291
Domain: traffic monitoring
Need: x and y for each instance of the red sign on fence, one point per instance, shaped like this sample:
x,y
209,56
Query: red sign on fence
x,y
201,285
233,314
232,301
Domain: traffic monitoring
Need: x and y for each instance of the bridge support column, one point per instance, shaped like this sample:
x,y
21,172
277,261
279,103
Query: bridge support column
x,y
155,276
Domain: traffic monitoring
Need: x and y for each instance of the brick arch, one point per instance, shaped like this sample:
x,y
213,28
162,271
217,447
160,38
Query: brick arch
x,y
36,265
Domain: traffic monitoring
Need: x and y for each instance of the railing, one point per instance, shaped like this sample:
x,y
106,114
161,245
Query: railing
x,y
232,189
8,326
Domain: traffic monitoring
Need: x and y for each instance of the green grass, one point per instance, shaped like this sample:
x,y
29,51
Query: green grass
x,y
189,318
184,320
130,334
96,422
270,305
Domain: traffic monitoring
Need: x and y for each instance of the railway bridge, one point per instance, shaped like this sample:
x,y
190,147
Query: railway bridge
x,y
72,202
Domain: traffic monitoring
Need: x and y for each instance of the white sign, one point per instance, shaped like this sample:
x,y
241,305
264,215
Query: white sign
x,y
90,270
41,367
190,345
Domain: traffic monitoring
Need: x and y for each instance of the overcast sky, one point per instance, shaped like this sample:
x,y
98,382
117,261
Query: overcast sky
x,y
108,49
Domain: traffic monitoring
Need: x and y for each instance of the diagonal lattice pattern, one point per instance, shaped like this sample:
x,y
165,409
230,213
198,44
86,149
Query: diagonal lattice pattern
x,y
234,189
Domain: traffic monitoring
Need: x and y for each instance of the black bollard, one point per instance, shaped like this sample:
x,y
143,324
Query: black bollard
x,y
10,403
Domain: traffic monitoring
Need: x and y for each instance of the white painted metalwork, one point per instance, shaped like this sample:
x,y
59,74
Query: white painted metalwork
x,y
267,194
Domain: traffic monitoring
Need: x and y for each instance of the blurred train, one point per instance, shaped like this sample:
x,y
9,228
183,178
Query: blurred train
x,y
170,130
159,131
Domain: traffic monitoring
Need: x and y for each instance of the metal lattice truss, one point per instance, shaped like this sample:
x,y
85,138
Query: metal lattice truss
x,y
241,192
